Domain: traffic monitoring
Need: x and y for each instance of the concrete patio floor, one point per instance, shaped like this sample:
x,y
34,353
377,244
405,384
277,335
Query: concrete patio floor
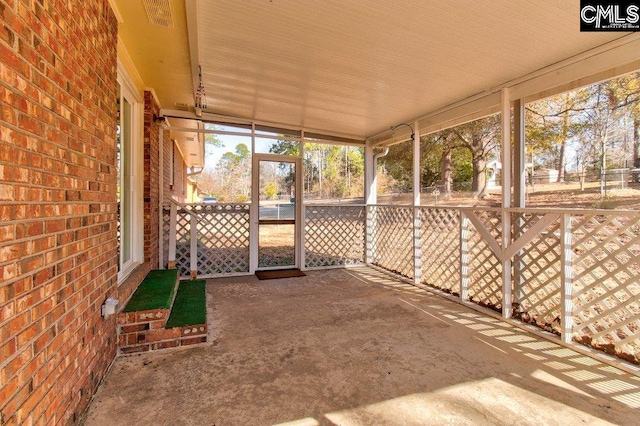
x,y
355,347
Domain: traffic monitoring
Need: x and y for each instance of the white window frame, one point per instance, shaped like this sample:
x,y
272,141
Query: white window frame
x,y
129,92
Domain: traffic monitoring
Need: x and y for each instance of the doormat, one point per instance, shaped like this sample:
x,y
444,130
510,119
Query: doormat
x,y
280,273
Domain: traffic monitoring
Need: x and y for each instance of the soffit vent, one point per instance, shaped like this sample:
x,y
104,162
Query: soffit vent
x,y
159,12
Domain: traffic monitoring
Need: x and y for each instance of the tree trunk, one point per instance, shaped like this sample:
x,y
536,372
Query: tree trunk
x,y
603,168
479,183
446,178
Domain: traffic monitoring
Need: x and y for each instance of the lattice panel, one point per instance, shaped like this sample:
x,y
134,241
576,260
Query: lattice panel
x,y
485,269
606,292
166,225
537,270
492,220
440,246
334,235
183,242
223,239
391,239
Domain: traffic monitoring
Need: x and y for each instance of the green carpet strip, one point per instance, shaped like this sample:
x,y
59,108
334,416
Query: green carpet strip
x,y
189,307
155,291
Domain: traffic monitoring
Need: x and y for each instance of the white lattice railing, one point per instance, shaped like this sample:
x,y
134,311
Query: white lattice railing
x,y
574,273
571,272
390,234
212,240
334,235
207,239
606,276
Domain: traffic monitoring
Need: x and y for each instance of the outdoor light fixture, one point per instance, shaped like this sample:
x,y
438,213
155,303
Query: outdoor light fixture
x,y
201,96
109,307
404,124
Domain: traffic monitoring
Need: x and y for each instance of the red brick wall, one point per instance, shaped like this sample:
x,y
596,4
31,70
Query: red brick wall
x,y
151,179
58,247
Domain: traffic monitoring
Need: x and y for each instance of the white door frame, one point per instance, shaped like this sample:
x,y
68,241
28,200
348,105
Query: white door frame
x,y
254,212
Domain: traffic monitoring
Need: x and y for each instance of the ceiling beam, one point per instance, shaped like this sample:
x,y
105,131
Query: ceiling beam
x,y
332,137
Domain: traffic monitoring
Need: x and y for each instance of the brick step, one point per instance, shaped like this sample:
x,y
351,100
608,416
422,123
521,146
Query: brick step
x,y
149,321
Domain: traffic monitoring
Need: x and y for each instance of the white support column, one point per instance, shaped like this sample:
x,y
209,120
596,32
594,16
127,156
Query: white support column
x,y
193,254
369,221
464,257
566,277
370,198
160,207
172,236
416,165
299,200
417,219
519,170
254,207
519,173
370,187
506,201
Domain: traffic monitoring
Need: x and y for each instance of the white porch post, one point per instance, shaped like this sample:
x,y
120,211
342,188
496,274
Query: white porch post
x,y
299,205
417,219
193,253
464,257
519,185
566,277
506,202
254,207
370,194
160,204
370,181
519,169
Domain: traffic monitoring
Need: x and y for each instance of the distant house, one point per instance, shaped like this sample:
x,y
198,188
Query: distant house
x,y
492,173
545,176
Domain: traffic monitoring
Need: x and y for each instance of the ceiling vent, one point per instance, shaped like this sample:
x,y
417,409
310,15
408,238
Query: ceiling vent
x,y
181,106
159,12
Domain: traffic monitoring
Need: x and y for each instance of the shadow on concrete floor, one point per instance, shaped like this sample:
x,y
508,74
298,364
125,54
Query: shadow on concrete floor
x,y
355,347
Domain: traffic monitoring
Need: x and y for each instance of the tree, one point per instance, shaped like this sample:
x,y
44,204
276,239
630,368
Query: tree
x,y
625,92
329,170
480,137
448,157
271,190
230,179
398,163
593,122
211,141
551,123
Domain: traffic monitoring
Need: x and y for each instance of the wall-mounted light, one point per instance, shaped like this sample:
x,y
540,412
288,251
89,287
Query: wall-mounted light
x,y
404,124
109,307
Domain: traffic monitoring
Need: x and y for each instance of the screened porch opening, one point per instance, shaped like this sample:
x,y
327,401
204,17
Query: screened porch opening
x,y
432,212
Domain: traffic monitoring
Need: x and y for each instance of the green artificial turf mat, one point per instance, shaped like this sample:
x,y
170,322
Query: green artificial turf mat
x,y
189,308
155,291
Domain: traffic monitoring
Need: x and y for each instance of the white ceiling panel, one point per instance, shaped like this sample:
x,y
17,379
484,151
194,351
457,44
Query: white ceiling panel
x,y
352,67
357,67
